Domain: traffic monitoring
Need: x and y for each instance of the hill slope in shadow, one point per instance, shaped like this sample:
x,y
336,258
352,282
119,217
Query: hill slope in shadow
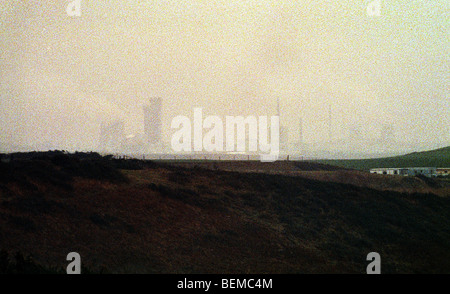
x,y
146,217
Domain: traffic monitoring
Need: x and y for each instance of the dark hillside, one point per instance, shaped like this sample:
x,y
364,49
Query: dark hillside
x,y
145,217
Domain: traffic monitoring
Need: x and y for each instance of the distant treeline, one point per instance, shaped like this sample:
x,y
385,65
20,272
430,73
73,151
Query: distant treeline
x,y
50,154
59,167
63,157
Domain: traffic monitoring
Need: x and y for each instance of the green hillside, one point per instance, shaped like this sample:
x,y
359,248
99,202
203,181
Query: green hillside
x,y
435,158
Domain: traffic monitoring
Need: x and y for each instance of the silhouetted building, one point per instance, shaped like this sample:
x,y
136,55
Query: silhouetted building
x,y
134,144
300,132
111,136
152,121
284,133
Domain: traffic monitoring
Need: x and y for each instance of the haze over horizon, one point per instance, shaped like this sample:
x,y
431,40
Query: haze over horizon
x,y
62,76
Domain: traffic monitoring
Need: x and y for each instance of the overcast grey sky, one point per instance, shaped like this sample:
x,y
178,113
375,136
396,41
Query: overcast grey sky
x,y
61,76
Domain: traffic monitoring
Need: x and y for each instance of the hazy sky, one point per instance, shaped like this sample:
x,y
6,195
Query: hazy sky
x,y
61,76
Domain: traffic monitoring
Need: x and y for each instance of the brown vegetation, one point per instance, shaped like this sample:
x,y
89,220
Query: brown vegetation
x,y
143,217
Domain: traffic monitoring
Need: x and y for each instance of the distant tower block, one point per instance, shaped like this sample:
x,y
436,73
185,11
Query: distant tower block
x,y
300,133
111,136
387,134
284,135
152,120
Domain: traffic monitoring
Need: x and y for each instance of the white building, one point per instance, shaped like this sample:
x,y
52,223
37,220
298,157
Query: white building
x,y
405,171
443,171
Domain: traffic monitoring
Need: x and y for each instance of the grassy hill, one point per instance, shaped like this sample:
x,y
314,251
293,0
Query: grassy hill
x,y
147,217
434,158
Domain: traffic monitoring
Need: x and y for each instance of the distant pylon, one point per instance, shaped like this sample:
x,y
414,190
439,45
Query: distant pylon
x,y
329,124
278,106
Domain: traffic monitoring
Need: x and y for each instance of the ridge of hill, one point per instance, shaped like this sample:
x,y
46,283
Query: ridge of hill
x,y
432,158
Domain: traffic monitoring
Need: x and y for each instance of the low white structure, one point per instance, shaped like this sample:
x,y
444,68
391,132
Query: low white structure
x,y
405,171
443,171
